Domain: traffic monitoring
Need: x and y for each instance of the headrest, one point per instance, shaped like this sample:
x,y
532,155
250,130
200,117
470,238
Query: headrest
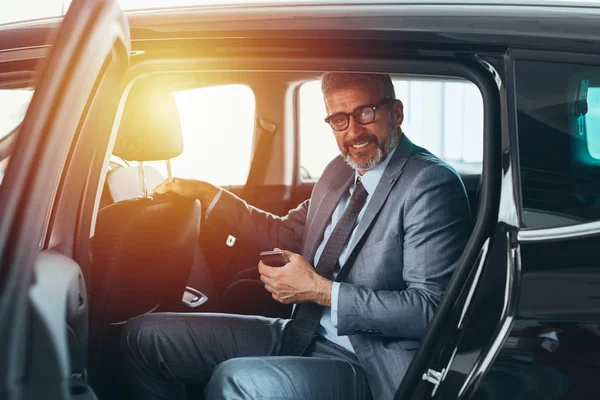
x,y
150,128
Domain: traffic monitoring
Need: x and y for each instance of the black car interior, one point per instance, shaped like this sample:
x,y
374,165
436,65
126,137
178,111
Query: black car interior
x,y
157,253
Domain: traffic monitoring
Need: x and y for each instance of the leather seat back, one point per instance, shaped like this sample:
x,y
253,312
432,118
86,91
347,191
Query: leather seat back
x,y
143,252
143,248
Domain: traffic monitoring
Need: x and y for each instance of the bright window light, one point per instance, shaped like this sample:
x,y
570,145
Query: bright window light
x,y
13,105
592,122
218,127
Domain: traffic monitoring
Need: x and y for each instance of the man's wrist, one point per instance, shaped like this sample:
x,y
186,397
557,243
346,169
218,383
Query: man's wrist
x,y
323,295
206,192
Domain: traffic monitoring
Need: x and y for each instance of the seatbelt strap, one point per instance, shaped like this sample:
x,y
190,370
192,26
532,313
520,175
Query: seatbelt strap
x,y
260,160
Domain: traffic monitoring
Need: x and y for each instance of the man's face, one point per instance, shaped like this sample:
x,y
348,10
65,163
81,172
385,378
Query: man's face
x,y
365,146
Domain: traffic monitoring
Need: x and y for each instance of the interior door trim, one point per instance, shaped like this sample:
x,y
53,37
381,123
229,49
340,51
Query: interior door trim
x,y
24,53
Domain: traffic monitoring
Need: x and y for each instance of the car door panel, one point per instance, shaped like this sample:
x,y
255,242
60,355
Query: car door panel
x,y
477,316
59,295
553,345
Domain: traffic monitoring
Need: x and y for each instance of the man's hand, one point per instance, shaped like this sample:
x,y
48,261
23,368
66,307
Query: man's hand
x,y
296,282
191,188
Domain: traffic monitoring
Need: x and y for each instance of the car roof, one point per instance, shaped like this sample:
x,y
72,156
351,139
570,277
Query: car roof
x,y
547,24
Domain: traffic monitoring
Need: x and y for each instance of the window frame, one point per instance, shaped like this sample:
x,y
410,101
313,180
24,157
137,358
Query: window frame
x,y
524,233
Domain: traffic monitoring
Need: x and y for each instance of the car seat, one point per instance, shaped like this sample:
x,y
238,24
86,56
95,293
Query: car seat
x,y
143,247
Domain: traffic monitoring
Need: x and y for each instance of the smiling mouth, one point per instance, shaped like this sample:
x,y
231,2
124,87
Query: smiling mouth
x,y
361,145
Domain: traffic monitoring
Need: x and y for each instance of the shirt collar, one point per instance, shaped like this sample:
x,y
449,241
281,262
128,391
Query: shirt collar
x,y
371,178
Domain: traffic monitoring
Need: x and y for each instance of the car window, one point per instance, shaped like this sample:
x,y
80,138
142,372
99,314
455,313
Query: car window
x,y
13,105
592,122
443,115
558,123
218,127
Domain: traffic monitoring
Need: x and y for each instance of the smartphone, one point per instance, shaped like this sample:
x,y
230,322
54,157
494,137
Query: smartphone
x,y
275,258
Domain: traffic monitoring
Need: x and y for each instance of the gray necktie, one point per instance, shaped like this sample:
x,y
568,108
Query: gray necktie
x,y
308,315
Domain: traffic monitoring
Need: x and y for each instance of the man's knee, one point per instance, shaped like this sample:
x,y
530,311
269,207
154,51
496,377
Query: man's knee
x,y
240,378
138,336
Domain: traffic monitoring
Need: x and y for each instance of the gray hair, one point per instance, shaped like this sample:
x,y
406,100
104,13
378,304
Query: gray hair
x,y
338,80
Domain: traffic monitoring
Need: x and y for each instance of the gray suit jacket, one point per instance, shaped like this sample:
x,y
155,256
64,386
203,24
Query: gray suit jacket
x,y
407,245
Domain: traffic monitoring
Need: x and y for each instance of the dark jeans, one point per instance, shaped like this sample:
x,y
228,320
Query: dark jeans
x,y
233,357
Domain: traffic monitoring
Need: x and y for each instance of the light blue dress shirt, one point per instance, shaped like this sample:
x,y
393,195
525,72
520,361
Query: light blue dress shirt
x,y
370,180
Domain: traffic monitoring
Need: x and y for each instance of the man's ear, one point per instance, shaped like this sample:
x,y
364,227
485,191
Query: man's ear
x,y
398,112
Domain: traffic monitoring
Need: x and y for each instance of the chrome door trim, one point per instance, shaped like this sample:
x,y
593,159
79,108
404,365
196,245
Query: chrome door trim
x,y
559,233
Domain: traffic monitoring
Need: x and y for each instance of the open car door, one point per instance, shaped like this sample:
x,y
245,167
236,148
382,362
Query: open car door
x,y
43,300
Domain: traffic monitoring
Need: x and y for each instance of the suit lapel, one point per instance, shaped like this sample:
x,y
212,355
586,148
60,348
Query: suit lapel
x,y
384,187
323,213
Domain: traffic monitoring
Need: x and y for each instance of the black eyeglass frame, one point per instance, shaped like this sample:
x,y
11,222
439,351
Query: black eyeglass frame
x,y
352,114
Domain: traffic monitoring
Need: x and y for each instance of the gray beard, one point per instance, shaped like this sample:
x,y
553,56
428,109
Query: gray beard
x,y
376,159
365,165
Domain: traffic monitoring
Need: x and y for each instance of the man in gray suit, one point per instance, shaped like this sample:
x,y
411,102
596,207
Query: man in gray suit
x,y
370,254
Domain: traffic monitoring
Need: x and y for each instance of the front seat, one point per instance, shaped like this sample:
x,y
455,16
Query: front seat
x,y
143,248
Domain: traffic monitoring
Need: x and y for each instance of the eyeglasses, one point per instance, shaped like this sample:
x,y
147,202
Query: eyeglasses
x,y
364,115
